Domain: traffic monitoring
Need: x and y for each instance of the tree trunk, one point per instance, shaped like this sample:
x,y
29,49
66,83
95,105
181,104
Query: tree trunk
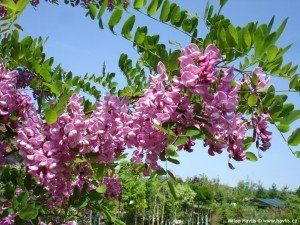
x,y
143,216
163,211
154,209
135,218
157,215
91,217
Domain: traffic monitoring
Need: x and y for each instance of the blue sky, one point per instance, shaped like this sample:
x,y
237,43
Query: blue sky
x,y
79,45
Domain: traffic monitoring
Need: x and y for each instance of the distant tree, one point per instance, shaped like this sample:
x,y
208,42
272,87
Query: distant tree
x,y
298,192
204,195
261,192
273,192
244,190
284,193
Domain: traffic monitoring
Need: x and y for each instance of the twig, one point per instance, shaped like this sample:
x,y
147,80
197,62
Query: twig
x,y
285,140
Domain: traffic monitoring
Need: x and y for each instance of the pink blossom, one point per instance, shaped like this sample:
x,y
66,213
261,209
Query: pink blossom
x,y
113,187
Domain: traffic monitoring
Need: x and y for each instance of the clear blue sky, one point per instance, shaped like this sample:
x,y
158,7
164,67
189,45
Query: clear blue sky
x,y
79,45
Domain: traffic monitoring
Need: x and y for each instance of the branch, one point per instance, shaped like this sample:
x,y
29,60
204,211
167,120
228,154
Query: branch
x,y
169,25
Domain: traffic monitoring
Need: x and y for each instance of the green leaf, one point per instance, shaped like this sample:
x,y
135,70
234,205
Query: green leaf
x,y
21,5
168,132
140,35
251,156
175,161
291,117
269,98
192,132
171,150
294,139
232,36
172,189
9,4
93,10
9,191
152,8
19,27
297,154
171,175
258,39
44,72
247,143
173,61
189,25
180,141
252,100
294,82
99,170
222,3
286,110
165,11
175,14
51,116
161,171
139,4
276,107
56,87
101,189
247,38
270,25
79,160
281,28
119,222
103,8
115,17
127,27
283,128
28,212
272,52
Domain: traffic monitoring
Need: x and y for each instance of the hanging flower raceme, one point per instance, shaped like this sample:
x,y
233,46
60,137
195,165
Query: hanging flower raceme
x,y
15,106
113,187
200,74
260,121
161,103
261,135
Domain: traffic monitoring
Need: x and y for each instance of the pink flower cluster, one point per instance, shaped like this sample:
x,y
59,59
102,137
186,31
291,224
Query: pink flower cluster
x,y
50,150
7,220
260,132
161,103
113,187
13,103
102,135
53,223
24,78
111,4
200,74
